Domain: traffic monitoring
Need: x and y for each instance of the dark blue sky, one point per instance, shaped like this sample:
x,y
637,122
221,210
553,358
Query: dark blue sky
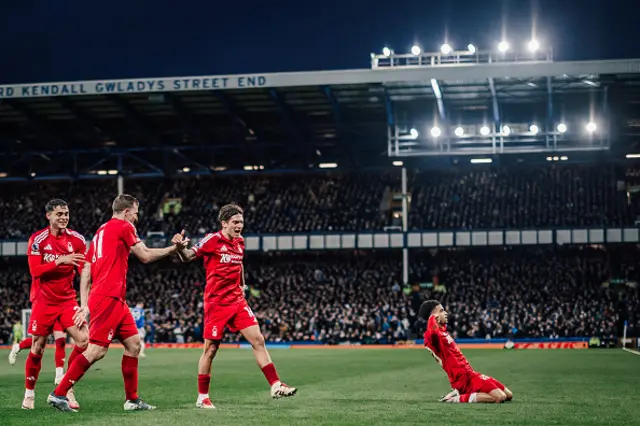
x,y
44,40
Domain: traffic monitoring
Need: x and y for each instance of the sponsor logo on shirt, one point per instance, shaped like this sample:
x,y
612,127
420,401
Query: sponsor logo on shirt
x,y
50,257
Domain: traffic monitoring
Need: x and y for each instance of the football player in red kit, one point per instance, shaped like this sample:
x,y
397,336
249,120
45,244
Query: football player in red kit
x,y
468,385
53,253
224,302
106,267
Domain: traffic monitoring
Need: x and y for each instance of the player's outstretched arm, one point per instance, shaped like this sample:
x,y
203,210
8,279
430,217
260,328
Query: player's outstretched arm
x,y
149,255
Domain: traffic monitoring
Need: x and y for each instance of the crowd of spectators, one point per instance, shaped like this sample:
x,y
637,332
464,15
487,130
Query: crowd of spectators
x,y
357,297
476,198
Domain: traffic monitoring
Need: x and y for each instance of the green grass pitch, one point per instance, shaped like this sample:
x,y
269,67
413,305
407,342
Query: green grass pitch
x,y
342,387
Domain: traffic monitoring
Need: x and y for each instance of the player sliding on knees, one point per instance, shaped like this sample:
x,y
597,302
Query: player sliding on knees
x,y
106,266
224,302
468,385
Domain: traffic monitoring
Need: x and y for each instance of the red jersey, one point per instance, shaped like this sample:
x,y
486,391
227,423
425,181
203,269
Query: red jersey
x,y
50,283
445,351
109,257
223,267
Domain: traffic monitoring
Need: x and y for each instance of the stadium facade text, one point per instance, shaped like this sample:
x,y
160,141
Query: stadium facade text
x,y
99,87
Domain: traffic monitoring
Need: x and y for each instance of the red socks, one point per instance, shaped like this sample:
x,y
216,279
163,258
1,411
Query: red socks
x,y
76,351
32,370
130,375
26,344
59,357
270,373
74,373
204,380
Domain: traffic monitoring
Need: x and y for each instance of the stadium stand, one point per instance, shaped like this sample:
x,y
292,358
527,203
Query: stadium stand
x,y
357,297
490,198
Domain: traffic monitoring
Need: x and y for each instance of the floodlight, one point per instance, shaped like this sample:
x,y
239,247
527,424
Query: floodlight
x,y
459,131
386,51
506,130
471,48
414,133
562,127
534,129
503,46
533,45
484,131
416,50
446,49
591,127
435,131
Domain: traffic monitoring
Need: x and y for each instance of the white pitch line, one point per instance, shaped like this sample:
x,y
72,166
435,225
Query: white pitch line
x,y
631,351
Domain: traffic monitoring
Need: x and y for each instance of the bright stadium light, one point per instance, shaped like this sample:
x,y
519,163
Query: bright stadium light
x,y
503,46
416,50
506,130
471,48
533,45
591,127
398,163
562,127
632,156
564,158
446,49
484,131
112,172
328,165
186,169
534,129
435,131
481,161
549,158
414,133
386,51
459,131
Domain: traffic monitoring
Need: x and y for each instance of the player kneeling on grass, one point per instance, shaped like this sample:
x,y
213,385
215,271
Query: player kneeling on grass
x,y
224,302
468,385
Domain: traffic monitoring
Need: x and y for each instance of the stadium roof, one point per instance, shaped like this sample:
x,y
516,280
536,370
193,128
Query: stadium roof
x,y
158,126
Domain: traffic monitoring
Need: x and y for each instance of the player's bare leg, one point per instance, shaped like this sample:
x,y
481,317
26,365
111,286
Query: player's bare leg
x,y
204,373
130,374
32,370
256,339
81,338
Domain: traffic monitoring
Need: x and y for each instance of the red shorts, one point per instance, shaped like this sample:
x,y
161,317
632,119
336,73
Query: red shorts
x,y
236,317
476,382
46,317
109,319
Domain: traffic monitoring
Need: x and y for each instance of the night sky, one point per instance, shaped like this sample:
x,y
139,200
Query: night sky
x,y
44,40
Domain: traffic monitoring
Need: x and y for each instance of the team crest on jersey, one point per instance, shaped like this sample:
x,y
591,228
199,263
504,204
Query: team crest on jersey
x,y
70,247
